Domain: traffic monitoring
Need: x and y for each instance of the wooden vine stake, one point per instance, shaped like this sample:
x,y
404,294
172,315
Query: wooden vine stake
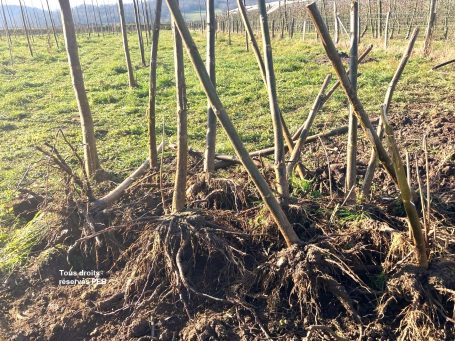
x,y
271,202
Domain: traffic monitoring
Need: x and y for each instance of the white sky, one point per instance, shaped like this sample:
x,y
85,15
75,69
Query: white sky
x,y
54,3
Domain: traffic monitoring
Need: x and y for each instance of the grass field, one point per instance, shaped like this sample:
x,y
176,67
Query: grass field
x,y
37,98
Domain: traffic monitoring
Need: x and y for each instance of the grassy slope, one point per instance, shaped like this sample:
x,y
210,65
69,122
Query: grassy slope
x,y
37,98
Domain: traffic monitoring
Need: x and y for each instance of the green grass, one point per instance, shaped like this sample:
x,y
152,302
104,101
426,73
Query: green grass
x,y
17,245
37,98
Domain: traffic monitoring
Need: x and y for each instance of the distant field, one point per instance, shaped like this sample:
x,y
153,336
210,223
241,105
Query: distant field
x,y
37,98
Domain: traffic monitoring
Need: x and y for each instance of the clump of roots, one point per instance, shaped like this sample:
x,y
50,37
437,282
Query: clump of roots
x,y
318,280
421,303
219,193
183,261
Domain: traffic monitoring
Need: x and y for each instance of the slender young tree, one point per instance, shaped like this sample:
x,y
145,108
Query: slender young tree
x,y
351,169
430,28
24,21
47,25
179,200
129,66
336,23
153,154
209,160
94,18
280,167
8,34
99,17
89,26
139,31
92,165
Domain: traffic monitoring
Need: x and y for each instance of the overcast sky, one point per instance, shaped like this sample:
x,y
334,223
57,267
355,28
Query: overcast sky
x,y
54,3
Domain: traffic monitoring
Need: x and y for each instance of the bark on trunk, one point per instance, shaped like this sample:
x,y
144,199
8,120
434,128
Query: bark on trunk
x,y
92,165
280,169
153,154
129,66
179,199
209,159
351,167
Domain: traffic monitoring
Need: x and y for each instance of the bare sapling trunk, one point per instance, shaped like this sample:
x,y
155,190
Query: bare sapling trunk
x,y
99,17
372,164
47,26
406,195
280,168
386,31
351,165
430,28
153,153
92,165
89,26
295,153
358,108
8,35
179,199
210,143
264,190
287,135
336,23
24,21
411,21
96,29
370,17
147,17
129,66
139,31
379,29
